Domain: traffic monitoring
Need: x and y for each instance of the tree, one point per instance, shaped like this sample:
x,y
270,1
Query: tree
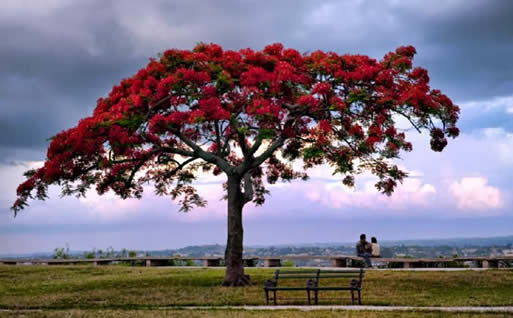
x,y
248,115
61,252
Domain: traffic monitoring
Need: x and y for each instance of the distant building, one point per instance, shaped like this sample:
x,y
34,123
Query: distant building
x,y
508,252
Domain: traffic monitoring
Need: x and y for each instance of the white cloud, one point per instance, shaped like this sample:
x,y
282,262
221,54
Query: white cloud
x,y
473,193
502,142
334,195
500,102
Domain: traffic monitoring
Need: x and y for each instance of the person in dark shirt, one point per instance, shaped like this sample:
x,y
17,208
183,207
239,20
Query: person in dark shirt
x,y
363,249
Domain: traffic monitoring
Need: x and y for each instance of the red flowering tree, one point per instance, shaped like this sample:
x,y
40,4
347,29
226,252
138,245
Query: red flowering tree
x,y
247,115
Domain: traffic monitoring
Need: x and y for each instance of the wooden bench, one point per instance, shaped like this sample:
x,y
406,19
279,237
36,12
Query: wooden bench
x,y
313,285
271,285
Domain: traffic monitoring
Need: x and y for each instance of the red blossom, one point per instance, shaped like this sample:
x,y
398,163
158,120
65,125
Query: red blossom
x,y
325,126
356,130
453,132
254,75
196,115
392,146
274,49
321,88
390,131
308,100
408,51
338,103
293,57
191,76
150,82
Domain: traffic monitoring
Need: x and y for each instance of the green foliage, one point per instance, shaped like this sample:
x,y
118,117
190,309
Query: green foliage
x,y
312,153
266,133
132,253
29,173
123,253
132,122
90,255
223,83
287,263
357,96
109,252
243,130
61,253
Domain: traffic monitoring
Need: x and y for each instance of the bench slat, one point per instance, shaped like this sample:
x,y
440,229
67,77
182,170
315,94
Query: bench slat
x,y
334,288
286,288
282,271
296,276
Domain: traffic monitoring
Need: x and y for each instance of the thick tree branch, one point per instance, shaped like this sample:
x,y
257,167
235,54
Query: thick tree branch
x,y
176,151
218,139
277,143
128,183
248,188
205,155
226,146
240,136
182,165
255,146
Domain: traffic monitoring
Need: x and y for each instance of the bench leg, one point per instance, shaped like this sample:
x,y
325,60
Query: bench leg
x,y
359,297
308,296
352,297
275,298
316,297
266,297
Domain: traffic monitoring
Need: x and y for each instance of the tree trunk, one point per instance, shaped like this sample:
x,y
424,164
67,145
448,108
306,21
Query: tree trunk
x,y
234,275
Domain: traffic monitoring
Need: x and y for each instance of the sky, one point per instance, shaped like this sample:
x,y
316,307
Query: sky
x,y
59,56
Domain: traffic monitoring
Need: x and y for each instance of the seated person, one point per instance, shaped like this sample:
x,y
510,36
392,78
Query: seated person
x,y
363,249
374,247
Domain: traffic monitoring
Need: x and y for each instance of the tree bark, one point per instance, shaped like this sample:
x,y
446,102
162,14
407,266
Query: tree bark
x,y
234,275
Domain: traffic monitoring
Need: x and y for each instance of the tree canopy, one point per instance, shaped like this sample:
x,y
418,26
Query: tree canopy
x,y
214,111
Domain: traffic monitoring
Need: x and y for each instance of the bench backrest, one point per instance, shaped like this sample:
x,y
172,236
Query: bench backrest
x,y
355,276
296,274
317,274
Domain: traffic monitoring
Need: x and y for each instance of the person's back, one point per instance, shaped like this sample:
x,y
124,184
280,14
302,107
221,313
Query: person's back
x,y
375,247
362,250
360,247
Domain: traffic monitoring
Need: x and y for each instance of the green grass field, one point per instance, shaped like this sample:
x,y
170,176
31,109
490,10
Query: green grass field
x,y
115,290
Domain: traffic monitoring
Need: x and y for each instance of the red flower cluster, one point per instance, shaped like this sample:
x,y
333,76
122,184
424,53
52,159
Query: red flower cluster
x,y
254,76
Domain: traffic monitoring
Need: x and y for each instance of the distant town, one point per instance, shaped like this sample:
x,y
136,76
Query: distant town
x,y
461,247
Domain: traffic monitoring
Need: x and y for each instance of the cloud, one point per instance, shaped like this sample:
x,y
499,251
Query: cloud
x,y
483,113
498,102
474,193
502,142
413,192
